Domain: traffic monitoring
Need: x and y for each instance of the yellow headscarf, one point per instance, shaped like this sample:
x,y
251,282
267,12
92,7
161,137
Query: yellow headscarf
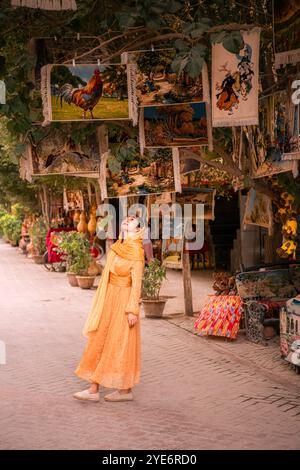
x,y
132,249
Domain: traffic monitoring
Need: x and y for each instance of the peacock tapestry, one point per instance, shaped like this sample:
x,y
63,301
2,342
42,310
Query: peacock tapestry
x,y
84,92
235,83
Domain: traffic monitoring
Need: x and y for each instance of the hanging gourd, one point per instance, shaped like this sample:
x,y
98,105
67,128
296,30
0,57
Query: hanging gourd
x,y
82,226
76,217
92,222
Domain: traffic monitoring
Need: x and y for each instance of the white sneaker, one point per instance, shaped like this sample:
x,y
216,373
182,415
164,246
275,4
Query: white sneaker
x,y
87,396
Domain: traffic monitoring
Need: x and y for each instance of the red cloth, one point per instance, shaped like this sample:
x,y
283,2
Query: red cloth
x,y
220,316
53,256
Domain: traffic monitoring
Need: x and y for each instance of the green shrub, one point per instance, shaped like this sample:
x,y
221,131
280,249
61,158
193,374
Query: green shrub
x,y
154,274
76,248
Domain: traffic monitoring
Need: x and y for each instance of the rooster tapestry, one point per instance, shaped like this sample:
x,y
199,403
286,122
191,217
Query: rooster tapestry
x,y
84,92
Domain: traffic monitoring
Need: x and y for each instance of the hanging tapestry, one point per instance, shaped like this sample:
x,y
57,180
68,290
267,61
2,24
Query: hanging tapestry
x,y
178,125
73,199
46,4
84,92
152,172
58,154
258,210
220,316
197,195
269,141
188,164
157,84
235,83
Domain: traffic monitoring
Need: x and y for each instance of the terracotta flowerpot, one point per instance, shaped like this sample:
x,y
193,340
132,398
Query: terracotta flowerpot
x,y
38,259
72,279
154,308
85,282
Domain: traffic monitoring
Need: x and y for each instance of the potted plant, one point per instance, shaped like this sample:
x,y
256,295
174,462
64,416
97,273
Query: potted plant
x,y
39,232
154,274
76,248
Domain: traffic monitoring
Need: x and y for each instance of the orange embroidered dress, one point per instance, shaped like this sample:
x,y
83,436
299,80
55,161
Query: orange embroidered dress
x,y
112,355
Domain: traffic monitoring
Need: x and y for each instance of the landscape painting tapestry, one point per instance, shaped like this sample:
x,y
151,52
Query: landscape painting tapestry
x,y
153,173
84,92
158,84
58,154
181,125
194,196
258,210
235,83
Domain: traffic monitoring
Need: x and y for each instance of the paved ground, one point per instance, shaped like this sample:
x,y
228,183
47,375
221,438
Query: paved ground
x,y
195,393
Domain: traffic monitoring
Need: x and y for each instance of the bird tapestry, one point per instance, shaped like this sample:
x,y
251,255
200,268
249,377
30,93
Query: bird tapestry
x,y
58,154
235,83
151,173
84,92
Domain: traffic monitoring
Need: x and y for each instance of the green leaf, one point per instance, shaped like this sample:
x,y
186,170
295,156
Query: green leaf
x,y
217,37
181,45
179,64
194,65
233,42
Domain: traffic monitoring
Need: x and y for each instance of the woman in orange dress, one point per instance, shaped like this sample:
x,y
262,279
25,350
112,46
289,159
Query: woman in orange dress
x,y
112,355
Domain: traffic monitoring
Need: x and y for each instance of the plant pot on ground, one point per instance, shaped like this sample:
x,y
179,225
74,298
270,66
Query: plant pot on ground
x,y
154,274
38,259
39,232
77,251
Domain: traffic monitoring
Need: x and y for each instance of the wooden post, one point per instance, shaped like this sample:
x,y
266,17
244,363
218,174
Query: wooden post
x,y
102,134
187,283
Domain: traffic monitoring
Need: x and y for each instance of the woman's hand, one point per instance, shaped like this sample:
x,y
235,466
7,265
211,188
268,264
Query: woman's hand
x,y
132,319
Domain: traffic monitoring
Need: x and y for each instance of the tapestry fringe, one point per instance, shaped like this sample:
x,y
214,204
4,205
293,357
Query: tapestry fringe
x,y
141,131
102,181
295,169
26,166
46,94
54,5
287,57
291,156
176,169
132,97
240,122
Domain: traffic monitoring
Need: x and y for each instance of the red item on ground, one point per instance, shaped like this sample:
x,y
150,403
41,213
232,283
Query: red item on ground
x,y
53,256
